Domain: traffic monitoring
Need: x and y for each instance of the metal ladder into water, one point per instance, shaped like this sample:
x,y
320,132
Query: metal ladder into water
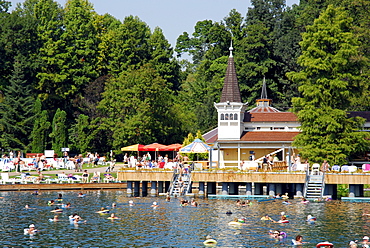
x,y
174,189
314,185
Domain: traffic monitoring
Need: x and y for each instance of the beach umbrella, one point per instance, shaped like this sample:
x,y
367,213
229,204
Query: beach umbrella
x,y
156,147
174,148
133,148
197,146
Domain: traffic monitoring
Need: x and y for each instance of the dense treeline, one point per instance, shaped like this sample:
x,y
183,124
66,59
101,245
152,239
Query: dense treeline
x,y
70,77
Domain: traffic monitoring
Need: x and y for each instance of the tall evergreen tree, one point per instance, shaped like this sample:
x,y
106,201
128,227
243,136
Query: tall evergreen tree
x,y
74,61
80,135
124,46
16,110
330,78
162,60
41,129
59,131
18,37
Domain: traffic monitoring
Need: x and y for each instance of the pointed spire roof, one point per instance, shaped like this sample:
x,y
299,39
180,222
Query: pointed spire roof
x,y
230,91
264,90
264,104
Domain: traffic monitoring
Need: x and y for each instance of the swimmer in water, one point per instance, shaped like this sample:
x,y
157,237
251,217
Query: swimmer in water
x,y
68,205
276,234
81,195
131,203
310,218
114,205
113,217
55,219
154,205
283,220
266,217
31,230
304,201
103,211
50,203
298,240
57,210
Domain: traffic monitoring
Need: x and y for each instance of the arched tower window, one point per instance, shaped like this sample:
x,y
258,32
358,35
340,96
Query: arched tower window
x,y
231,117
236,117
222,117
226,116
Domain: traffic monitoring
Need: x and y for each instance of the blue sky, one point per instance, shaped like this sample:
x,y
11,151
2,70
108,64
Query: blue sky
x,y
172,16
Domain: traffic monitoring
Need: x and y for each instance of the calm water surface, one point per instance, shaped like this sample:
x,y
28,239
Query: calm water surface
x,y
170,225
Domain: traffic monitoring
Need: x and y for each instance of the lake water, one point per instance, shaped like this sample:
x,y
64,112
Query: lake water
x,y
170,225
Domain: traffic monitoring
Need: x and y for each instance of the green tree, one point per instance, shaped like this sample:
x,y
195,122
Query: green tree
x,y
16,111
80,135
330,77
210,41
73,61
139,109
124,46
41,129
59,131
18,40
162,59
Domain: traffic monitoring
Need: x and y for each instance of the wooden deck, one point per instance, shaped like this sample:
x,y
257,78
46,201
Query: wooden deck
x,y
62,186
197,176
257,177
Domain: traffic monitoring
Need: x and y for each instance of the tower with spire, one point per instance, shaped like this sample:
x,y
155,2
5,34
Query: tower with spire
x,y
230,109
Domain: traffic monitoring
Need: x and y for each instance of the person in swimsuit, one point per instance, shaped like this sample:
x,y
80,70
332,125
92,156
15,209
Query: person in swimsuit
x,y
85,177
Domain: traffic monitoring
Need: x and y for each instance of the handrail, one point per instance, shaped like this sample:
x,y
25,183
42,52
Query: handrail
x,y
306,181
322,184
170,188
189,179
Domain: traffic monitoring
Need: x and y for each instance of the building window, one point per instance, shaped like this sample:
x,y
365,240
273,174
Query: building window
x,y
231,117
279,128
226,116
258,128
222,117
236,117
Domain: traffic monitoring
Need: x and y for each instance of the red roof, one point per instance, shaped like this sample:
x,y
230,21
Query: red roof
x,y
270,117
268,136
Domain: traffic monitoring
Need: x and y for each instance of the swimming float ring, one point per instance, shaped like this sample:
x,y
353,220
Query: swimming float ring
x,y
112,218
324,244
210,242
283,234
283,221
106,211
57,211
235,223
242,220
311,219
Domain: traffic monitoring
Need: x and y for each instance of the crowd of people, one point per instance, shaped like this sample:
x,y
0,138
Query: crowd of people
x,y
148,162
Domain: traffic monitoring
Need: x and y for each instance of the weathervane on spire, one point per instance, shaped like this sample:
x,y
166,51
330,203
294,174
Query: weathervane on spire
x,y
264,90
231,49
